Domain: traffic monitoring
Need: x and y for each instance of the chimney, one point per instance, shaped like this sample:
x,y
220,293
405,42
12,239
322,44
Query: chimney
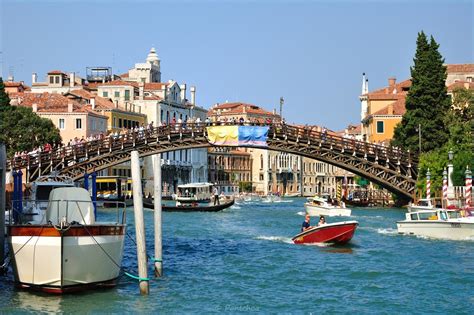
x,y
10,78
70,107
391,81
35,107
390,109
244,109
141,91
72,79
366,86
274,111
93,102
193,95
34,78
183,92
363,83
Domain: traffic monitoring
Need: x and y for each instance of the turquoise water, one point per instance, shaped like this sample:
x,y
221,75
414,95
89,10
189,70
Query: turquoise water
x,y
242,260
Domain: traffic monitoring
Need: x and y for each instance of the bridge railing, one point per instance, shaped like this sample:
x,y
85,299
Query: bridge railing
x,y
68,155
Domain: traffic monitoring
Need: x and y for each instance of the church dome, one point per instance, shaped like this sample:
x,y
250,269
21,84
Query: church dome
x,y
152,57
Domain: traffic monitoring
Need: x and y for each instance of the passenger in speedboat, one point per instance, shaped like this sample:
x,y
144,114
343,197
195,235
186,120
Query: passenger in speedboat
x,y
322,220
306,224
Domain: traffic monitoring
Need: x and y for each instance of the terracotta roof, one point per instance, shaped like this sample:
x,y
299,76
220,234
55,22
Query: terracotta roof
x,y
100,102
124,75
398,108
460,68
13,84
354,129
461,84
155,86
118,83
82,93
152,97
238,108
56,72
401,88
49,102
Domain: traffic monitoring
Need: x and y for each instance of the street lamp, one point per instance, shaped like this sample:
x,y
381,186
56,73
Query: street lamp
x,y
419,138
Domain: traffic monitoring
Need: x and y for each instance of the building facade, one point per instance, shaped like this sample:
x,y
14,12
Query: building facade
x,y
73,119
383,109
229,169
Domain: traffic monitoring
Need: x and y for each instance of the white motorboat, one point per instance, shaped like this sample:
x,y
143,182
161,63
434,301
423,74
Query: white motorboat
x,y
319,206
69,251
271,198
421,204
438,223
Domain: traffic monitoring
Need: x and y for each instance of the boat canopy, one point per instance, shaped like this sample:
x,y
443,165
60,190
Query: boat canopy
x,y
71,203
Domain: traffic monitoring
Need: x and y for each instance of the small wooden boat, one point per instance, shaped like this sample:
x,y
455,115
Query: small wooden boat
x,y
189,207
335,233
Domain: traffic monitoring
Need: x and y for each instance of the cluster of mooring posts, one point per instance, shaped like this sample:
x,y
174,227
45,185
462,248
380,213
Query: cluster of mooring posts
x,y
139,221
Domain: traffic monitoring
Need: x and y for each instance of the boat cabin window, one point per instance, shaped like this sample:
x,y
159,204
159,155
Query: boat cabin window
x,y
427,215
454,214
414,216
443,215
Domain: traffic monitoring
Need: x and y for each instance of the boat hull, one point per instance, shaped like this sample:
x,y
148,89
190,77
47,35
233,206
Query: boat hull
x,y
438,229
190,208
335,233
313,210
79,258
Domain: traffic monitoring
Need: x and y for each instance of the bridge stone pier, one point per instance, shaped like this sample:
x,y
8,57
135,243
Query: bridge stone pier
x,y
392,168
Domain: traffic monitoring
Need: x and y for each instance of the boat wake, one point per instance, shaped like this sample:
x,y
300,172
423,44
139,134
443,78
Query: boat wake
x,y
280,239
388,231
303,213
235,207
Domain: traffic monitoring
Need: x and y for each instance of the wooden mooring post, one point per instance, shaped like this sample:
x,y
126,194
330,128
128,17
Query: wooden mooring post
x,y
139,223
158,221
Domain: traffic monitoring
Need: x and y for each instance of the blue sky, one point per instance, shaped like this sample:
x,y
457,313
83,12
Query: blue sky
x,y
312,53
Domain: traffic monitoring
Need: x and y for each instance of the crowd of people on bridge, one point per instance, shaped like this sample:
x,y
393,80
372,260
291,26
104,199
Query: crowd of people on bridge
x,y
179,125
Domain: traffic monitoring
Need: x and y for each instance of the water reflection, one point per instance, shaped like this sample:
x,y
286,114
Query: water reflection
x,y
37,302
338,250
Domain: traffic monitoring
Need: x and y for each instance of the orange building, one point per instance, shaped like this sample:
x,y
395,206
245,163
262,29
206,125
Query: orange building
x,y
383,109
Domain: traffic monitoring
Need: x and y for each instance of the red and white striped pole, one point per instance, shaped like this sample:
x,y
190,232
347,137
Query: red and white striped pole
x,y
445,185
428,184
468,187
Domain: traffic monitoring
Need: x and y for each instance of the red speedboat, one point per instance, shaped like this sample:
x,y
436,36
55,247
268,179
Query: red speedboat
x,y
335,233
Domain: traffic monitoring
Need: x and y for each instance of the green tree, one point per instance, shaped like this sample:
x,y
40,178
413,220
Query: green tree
x,y
427,101
21,129
4,99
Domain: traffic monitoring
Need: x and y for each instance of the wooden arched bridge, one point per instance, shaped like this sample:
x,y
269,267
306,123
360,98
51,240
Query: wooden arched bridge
x,y
391,168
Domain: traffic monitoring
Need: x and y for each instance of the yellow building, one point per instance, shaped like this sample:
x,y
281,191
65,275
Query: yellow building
x,y
382,109
118,117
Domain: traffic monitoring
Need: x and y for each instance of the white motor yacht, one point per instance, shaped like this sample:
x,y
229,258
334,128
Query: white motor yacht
x,y
319,206
421,204
67,250
438,223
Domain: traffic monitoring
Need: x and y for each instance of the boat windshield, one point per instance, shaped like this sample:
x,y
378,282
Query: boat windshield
x,y
427,215
454,214
423,203
42,192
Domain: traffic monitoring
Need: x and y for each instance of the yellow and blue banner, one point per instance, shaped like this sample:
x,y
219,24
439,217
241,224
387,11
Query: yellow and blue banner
x,y
238,135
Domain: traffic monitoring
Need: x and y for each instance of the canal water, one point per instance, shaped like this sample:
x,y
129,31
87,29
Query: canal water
x,y
242,260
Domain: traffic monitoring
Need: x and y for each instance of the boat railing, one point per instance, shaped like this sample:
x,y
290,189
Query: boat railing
x,y
23,214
